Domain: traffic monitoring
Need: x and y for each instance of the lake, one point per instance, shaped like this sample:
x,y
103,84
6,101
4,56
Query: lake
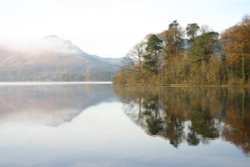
x,y
101,125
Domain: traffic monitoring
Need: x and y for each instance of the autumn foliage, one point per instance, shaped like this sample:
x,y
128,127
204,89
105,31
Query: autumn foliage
x,y
194,56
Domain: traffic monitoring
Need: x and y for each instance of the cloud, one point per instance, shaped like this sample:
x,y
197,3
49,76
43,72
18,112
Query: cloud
x,y
48,44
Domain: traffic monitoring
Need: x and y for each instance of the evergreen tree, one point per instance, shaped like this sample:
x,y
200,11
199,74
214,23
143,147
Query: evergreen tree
x,y
204,46
152,58
173,39
191,30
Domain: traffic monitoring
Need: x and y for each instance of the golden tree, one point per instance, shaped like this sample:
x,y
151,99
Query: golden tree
x,y
236,45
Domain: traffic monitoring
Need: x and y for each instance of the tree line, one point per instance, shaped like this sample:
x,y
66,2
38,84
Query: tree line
x,y
190,55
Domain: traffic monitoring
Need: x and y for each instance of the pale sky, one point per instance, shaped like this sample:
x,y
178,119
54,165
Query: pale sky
x,y
109,28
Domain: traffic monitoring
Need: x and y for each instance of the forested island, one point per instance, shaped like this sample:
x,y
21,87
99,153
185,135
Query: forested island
x,y
192,55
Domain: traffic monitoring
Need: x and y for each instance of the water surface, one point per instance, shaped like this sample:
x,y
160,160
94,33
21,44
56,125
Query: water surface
x,y
75,125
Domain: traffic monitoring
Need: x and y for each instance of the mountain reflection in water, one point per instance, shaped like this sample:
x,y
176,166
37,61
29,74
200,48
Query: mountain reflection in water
x,y
50,105
190,115
87,125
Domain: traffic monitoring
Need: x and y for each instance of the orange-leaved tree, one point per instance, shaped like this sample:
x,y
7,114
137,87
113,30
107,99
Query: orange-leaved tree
x,y
236,45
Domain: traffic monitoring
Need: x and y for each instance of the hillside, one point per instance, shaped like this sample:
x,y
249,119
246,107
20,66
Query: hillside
x,y
54,59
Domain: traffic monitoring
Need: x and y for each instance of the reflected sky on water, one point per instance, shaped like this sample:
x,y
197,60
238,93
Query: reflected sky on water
x,y
101,125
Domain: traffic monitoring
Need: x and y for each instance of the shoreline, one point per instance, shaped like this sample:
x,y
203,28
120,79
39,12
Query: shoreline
x,y
54,83
188,85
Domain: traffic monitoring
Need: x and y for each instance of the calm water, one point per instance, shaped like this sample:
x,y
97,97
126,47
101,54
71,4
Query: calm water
x,y
102,125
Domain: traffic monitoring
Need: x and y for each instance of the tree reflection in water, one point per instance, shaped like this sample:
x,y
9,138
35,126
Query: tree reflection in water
x,y
191,115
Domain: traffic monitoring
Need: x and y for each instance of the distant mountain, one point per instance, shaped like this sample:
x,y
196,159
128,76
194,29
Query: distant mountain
x,y
54,59
113,61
